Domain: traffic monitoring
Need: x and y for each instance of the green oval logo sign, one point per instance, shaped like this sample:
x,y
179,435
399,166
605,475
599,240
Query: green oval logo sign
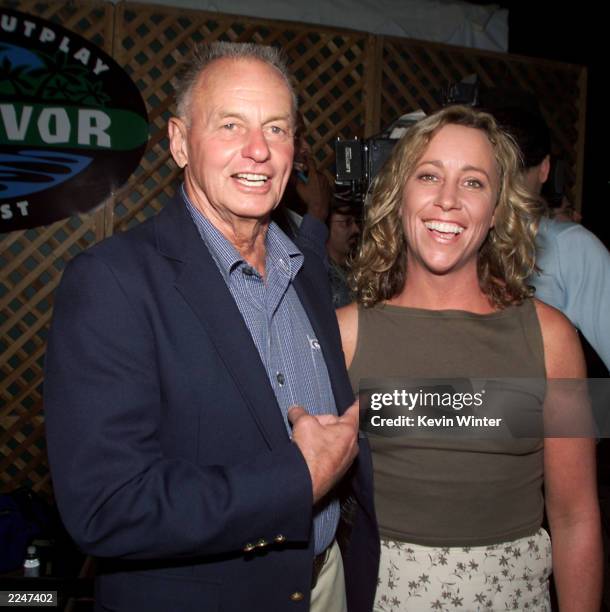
x,y
73,126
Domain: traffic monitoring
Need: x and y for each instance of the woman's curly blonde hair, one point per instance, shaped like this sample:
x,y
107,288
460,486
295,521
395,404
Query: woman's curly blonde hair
x,y
506,258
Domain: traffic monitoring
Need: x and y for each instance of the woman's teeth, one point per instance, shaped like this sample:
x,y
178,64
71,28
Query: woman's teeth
x,y
444,227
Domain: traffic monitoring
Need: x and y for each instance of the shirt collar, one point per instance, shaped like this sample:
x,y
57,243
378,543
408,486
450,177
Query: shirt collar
x,y
282,253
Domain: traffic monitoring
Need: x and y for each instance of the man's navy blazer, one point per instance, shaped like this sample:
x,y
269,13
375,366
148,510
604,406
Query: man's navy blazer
x,y
168,451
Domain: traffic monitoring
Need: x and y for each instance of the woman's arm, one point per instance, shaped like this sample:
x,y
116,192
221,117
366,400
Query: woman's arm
x,y
570,482
348,326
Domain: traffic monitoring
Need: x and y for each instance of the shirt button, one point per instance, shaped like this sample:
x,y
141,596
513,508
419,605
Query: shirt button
x,y
262,543
248,547
281,379
247,271
296,596
279,539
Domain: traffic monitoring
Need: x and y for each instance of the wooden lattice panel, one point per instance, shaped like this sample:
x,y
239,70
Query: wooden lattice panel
x,y
329,74
31,263
349,84
413,72
152,41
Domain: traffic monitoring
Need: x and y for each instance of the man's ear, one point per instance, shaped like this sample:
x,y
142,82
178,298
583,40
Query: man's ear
x,y
545,168
177,133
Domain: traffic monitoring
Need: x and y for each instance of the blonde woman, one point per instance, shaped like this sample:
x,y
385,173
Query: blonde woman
x,y
440,277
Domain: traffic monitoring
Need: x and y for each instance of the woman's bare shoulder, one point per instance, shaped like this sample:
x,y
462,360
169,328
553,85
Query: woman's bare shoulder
x,y
562,349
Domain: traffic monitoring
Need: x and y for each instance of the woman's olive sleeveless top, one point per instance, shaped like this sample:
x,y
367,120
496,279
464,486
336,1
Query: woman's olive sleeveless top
x,y
446,491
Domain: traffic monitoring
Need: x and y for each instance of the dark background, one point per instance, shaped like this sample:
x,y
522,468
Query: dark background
x,y
573,33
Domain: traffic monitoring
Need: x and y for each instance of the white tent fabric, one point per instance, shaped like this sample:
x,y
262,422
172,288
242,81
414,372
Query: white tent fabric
x,y
447,21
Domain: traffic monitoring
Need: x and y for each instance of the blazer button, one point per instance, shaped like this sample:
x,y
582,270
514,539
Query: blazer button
x,y
279,539
296,596
262,543
249,547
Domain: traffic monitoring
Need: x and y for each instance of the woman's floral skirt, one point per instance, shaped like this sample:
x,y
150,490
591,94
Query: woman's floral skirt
x,y
507,576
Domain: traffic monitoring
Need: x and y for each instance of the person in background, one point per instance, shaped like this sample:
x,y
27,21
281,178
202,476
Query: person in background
x,y
328,222
343,236
574,265
447,246
305,204
566,211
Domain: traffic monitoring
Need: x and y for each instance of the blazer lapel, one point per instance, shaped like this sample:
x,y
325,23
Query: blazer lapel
x,y
202,286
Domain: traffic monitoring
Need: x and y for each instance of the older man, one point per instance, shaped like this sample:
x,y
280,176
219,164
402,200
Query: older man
x,y
197,404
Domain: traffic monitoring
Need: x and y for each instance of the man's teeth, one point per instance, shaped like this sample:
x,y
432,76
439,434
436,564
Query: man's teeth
x,y
258,179
445,228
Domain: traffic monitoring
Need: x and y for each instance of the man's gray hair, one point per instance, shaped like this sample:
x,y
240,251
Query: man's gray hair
x,y
205,54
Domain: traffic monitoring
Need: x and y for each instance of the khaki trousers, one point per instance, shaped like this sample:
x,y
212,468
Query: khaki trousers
x,y
329,593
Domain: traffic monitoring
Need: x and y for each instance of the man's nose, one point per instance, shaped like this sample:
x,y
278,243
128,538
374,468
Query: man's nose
x,y
256,146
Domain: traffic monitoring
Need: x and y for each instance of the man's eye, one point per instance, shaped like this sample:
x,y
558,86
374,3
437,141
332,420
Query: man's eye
x,y
229,126
276,129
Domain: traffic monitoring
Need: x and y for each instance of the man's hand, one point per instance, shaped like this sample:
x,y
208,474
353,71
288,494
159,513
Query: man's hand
x,y
329,445
316,193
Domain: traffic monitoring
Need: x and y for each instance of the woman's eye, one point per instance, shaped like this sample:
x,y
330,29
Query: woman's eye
x,y
427,178
474,183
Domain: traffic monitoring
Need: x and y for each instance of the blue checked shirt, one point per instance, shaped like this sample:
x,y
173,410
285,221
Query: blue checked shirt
x,y
281,332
